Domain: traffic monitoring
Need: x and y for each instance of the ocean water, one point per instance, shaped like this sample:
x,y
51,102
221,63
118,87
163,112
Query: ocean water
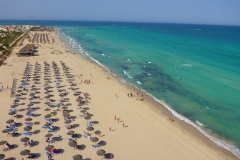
x,y
193,69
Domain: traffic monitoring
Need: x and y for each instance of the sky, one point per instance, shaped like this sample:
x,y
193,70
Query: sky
x,y
223,12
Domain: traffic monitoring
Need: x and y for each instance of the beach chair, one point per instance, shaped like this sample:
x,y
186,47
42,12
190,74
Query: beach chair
x,y
45,127
25,144
96,146
27,133
29,114
56,151
52,130
29,124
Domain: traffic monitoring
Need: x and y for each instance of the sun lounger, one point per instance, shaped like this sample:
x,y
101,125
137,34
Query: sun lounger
x,y
29,124
55,151
27,133
52,130
96,146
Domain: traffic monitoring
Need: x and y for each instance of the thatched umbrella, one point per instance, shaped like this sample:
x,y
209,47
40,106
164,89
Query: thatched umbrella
x,y
49,147
5,131
47,116
3,142
68,121
87,118
65,107
70,133
9,121
94,139
24,139
12,113
48,135
83,111
77,157
47,109
28,119
101,152
27,128
90,128
2,156
47,124
25,152
72,143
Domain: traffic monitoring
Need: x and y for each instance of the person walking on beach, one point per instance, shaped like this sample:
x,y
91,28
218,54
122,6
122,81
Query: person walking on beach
x,y
123,125
110,129
99,134
118,120
115,117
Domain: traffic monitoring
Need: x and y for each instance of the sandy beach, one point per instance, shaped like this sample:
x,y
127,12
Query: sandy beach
x,y
142,131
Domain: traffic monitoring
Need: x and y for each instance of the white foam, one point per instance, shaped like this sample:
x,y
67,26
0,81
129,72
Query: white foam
x,y
199,123
187,65
139,82
122,80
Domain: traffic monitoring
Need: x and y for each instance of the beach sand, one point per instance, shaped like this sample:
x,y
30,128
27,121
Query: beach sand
x,y
148,134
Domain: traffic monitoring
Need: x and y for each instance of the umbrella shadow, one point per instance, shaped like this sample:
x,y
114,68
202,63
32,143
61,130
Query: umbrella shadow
x,y
83,146
36,131
36,123
78,136
70,110
22,103
97,132
14,146
76,125
38,102
19,124
87,159
36,143
86,108
37,155
102,143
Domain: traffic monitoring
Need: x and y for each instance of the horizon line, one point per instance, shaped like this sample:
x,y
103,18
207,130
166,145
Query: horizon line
x,y
122,22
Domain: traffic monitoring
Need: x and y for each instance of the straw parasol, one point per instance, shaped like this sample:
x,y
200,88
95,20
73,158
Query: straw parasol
x,y
12,113
47,109
77,157
101,152
2,156
5,131
87,118
27,128
49,147
64,107
72,143
82,111
68,121
94,139
24,139
25,152
47,124
28,119
47,116
3,142
9,121
48,135
90,128
70,132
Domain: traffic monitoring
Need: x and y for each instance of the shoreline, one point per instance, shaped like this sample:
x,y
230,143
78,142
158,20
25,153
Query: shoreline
x,y
148,131
162,110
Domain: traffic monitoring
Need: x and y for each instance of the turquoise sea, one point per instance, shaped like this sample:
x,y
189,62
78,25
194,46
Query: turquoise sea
x,y
193,69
